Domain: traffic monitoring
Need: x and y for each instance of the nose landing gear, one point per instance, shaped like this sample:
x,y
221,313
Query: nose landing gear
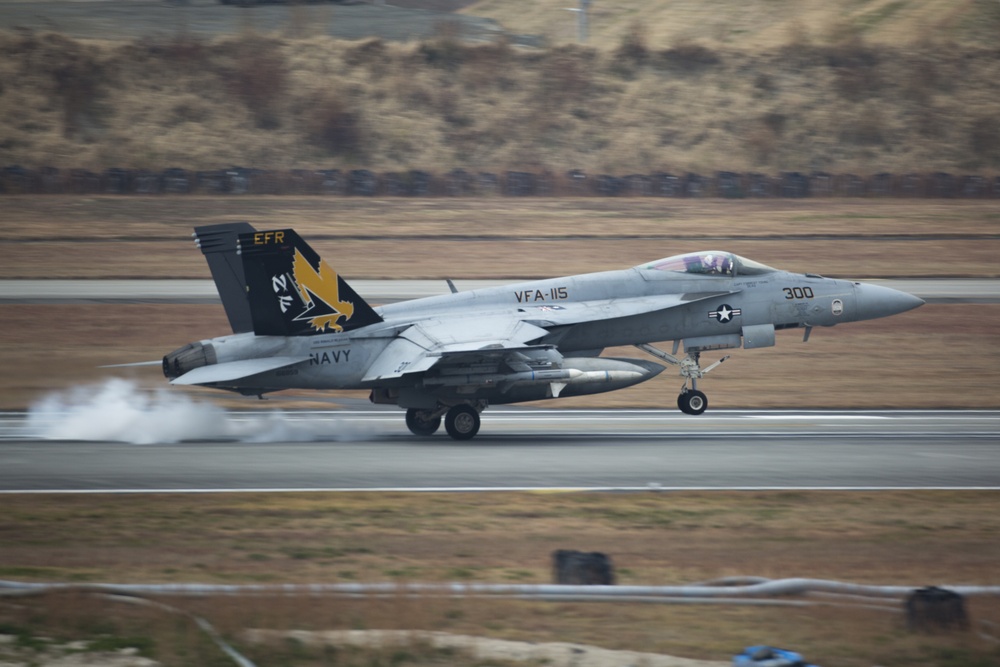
x,y
690,401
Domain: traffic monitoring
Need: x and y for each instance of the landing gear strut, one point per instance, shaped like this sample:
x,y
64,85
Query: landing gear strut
x,y
690,401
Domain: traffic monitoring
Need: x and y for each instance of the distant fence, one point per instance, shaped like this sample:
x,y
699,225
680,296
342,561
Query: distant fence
x,y
459,183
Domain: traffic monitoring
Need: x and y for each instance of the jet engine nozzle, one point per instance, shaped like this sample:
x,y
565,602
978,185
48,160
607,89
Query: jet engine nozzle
x,y
189,357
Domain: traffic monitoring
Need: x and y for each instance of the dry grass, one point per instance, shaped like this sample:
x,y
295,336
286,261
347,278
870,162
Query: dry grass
x,y
640,105
671,538
149,237
906,538
522,258
52,218
753,25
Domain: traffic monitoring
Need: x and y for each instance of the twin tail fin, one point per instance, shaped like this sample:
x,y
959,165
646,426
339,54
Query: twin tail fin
x,y
291,291
218,244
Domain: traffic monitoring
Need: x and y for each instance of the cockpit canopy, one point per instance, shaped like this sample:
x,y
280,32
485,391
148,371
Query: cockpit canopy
x,y
709,263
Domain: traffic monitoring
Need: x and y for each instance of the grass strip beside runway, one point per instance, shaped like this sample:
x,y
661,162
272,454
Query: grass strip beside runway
x,y
885,538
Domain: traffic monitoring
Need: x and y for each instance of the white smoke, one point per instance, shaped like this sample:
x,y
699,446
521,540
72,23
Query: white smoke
x,y
119,411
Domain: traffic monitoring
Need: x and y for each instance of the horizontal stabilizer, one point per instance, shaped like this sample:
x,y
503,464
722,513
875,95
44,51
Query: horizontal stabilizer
x,y
235,370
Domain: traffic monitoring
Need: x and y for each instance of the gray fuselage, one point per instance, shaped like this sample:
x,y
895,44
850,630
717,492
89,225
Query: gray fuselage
x,y
583,314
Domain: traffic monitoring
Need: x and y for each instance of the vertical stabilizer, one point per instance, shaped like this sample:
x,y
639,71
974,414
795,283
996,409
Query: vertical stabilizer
x,y
292,292
218,244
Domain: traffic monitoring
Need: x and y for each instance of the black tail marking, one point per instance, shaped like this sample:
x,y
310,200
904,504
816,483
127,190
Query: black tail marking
x,y
293,292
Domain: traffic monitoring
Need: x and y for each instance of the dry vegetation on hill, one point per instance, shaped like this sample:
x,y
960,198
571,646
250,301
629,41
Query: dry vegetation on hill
x,y
826,90
754,24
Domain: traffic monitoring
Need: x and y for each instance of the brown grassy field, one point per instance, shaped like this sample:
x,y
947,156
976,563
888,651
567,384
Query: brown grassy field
x,y
759,25
511,238
904,538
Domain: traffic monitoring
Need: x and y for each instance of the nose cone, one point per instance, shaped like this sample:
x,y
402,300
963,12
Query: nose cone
x,y
878,301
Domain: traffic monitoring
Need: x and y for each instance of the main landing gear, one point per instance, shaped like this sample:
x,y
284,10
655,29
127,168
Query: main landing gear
x,y
460,421
423,422
690,401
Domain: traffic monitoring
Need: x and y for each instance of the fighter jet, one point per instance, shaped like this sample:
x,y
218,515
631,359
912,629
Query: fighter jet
x,y
297,324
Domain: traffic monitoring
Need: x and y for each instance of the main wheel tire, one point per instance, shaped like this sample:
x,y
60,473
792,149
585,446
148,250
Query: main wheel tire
x,y
695,402
462,422
419,424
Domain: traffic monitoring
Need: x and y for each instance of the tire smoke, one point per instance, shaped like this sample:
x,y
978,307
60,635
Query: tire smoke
x,y
119,411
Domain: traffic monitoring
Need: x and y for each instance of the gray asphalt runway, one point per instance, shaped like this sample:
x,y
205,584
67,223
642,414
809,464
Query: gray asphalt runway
x,y
386,291
517,448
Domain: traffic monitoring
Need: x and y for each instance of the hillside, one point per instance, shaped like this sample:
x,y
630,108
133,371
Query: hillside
x,y
812,92
754,24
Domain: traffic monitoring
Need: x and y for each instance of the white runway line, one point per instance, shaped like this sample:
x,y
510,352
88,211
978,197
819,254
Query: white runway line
x,y
316,425
506,489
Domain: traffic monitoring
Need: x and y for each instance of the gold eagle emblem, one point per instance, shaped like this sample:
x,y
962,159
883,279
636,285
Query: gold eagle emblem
x,y
320,291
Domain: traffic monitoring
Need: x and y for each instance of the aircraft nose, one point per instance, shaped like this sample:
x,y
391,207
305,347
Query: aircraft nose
x,y
878,301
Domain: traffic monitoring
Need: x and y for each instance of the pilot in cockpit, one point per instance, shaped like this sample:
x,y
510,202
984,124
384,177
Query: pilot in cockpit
x,y
717,265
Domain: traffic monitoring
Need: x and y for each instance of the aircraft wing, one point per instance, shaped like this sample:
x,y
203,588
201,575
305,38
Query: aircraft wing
x,y
561,314
429,342
235,370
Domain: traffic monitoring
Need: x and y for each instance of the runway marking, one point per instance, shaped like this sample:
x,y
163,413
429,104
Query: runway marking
x,y
504,489
816,417
404,437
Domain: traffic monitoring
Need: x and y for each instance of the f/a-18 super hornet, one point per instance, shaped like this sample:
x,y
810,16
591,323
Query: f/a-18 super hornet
x,y
298,325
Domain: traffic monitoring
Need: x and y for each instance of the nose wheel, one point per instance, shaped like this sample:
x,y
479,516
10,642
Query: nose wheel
x,y
692,402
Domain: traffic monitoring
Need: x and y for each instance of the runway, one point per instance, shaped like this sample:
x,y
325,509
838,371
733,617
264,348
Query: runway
x,y
205,448
524,448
